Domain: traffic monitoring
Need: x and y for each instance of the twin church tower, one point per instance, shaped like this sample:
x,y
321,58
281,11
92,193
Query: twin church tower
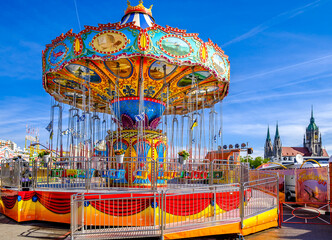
x,y
312,144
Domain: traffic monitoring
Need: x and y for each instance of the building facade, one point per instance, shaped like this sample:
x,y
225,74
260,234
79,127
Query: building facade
x,y
312,145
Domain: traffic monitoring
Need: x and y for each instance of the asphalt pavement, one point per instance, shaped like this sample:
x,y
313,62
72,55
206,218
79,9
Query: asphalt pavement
x,y
10,229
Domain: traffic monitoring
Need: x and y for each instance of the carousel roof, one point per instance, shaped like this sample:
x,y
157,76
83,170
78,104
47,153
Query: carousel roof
x,y
113,60
138,15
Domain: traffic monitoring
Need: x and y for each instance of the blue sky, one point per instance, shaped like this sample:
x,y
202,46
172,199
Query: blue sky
x,y
280,54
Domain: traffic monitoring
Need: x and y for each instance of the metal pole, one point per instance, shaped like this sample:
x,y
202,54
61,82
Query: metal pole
x,y
247,154
72,215
241,196
162,216
277,188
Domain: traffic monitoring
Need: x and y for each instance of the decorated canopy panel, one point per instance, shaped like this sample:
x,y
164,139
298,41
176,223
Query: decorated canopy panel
x,y
171,66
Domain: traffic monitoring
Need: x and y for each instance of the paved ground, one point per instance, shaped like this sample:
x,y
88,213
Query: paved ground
x,y
295,232
9,229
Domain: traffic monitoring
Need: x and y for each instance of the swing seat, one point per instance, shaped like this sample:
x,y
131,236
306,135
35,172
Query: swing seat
x,y
71,173
161,174
111,174
195,175
169,175
140,174
204,175
82,173
217,175
56,173
187,175
119,174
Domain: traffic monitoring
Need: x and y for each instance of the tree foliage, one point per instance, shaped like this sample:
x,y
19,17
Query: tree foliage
x,y
254,163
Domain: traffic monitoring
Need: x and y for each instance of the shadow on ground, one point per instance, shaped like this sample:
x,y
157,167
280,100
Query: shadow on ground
x,y
10,229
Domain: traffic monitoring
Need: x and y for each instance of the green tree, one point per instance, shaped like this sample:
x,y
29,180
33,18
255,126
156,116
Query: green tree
x,y
254,163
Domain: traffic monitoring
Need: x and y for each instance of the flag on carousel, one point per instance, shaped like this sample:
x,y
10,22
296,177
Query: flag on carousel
x,y
215,138
49,126
219,133
51,134
65,132
81,118
139,117
194,124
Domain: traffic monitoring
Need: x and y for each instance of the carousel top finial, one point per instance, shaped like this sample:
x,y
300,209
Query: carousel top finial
x,y
139,8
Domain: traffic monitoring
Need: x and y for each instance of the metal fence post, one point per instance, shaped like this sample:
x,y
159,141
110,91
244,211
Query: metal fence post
x,y
87,168
19,175
211,173
215,204
47,175
82,206
162,215
72,216
277,189
1,173
34,175
241,195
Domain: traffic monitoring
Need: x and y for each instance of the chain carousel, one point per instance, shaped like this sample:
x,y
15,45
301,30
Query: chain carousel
x,y
149,86
134,106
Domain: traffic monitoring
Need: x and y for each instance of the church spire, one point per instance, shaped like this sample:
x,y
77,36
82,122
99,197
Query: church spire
x,y
268,134
268,148
277,132
312,125
312,119
277,147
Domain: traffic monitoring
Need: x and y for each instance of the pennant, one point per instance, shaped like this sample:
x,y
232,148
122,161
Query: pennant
x,y
81,118
219,133
194,124
49,126
87,141
215,138
51,134
139,117
65,132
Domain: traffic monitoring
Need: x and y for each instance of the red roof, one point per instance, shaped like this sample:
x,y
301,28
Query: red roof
x,y
292,151
325,154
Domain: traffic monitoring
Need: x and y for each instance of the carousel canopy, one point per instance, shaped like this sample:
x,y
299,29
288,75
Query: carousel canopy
x,y
118,62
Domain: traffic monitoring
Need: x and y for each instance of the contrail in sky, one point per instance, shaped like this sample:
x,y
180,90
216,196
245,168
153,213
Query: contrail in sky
x,y
283,68
273,21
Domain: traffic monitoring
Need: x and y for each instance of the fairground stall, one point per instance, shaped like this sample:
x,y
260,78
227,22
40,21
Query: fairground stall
x,y
136,121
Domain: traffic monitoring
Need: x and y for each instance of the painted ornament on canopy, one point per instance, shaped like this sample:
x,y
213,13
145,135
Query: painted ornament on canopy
x,y
198,77
83,72
175,46
109,42
203,53
78,46
57,54
143,41
156,70
122,68
218,63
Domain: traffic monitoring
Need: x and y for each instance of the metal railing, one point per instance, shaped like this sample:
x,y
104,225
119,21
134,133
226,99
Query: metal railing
x,y
154,213
107,173
115,215
147,198
261,195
